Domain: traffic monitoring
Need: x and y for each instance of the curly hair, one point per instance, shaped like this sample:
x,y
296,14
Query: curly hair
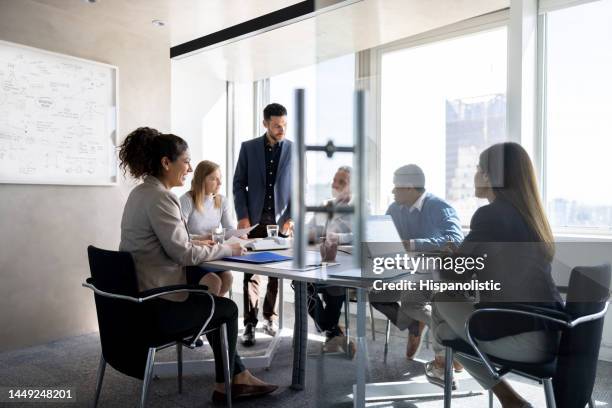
x,y
142,150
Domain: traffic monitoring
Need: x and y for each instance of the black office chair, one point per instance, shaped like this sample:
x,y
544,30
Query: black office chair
x,y
569,378
125,321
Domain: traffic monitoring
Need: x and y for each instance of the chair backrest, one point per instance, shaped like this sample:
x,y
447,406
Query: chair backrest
x,y
123,324
588,292
113,271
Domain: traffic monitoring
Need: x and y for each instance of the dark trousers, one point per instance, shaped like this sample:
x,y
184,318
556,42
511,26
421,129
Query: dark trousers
x,y
391,312
326,312
251,290
182,319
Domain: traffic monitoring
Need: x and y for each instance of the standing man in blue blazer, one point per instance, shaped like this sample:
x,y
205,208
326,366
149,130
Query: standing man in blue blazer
x,y
262,195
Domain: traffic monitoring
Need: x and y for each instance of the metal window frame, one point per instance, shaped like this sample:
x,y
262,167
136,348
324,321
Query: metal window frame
x,y
474,25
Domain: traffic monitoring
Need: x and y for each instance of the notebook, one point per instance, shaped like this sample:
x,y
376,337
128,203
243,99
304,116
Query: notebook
x,y
258,258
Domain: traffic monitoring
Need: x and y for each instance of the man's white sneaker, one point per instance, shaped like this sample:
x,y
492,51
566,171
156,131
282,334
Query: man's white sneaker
x,y
435,374
270,327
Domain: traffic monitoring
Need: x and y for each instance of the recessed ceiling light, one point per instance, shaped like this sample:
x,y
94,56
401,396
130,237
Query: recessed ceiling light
x,y
90,1
158,23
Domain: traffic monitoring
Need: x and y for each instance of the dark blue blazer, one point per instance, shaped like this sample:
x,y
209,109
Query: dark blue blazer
x,y
250,182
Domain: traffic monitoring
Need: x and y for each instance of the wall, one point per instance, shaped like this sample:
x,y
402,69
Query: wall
x,y
45,230
198,113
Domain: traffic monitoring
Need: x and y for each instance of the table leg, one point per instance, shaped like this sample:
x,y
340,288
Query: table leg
x,y
300,337
359,397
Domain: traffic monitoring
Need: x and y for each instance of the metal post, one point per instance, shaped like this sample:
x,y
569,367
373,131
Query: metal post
x,y
347,321
299,175
300,333
359,180
359,166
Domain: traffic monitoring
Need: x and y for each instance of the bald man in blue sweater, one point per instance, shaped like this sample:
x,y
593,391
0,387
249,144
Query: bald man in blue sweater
x,y
425,223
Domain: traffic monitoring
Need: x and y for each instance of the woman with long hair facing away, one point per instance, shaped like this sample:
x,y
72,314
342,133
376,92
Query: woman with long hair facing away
x,y
512,236
205,209
153,231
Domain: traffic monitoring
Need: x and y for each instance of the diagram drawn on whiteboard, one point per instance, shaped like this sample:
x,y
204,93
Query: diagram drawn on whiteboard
x,y
58,118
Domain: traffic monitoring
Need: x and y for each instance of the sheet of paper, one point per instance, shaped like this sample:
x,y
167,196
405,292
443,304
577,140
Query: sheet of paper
x,y
238,232
237,240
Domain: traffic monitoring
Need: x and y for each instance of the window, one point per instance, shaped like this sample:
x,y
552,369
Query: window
x,y
329,91
442,103
578,107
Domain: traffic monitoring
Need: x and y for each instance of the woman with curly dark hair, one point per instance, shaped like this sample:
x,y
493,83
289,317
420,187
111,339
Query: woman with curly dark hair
x,y
153,231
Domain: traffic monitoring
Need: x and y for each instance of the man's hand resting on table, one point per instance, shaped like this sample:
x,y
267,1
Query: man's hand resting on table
x,y
287,228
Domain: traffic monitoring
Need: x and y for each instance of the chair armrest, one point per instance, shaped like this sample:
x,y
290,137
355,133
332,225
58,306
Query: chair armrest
x,y
543,313
166,290
148,294
556,316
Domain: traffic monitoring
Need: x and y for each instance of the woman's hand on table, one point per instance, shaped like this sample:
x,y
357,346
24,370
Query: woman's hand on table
x,y
204,242
237,249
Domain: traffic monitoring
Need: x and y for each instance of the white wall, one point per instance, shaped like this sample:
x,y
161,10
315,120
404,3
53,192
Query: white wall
x,y
45,230
198,112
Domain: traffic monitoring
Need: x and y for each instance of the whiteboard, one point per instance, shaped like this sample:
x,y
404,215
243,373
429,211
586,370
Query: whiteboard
x,y
58,118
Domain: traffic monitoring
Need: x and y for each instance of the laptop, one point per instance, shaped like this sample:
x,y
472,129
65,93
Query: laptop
x,y
381,237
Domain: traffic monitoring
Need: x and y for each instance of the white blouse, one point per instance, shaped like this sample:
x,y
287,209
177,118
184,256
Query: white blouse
x,y
203,222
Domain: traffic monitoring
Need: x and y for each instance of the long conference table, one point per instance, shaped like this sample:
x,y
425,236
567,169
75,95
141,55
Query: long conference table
x,y
345,274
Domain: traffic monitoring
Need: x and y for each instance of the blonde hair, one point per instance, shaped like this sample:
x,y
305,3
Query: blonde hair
x,y
513,179
203,169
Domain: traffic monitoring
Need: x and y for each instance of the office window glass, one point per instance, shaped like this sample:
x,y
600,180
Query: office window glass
x,y
578,100
441,104
329,90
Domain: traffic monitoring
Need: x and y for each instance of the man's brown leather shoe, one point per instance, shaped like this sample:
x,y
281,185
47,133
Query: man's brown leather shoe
x,y
243,391
414,342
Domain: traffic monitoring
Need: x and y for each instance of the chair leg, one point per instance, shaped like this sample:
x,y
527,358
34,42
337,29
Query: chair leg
x,y
147,376
490,399
226,365
179,365
347,329
99,378
387,334
448,377
549,393
591,402
372,322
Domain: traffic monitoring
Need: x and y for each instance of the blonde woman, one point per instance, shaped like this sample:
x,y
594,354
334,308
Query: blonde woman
x,y
204,210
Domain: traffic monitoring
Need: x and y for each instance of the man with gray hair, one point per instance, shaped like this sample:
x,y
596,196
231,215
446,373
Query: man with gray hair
x,y
424,223
325,302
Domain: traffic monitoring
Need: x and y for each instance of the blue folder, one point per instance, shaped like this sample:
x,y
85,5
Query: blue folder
x,y
258,258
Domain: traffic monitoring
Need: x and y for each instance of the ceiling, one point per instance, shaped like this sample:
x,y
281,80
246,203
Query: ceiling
x,y
358,26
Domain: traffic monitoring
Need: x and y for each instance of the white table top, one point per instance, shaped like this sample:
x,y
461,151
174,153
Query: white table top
x,y
320,275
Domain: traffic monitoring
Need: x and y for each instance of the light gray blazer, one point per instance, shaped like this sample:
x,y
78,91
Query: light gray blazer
x,y
154,232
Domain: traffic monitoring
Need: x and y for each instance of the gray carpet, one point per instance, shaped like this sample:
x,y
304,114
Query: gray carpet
x,y
73,363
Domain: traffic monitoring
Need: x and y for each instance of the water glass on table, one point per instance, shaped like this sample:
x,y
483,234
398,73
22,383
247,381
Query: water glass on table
x,y
272,231
329,247
218,235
